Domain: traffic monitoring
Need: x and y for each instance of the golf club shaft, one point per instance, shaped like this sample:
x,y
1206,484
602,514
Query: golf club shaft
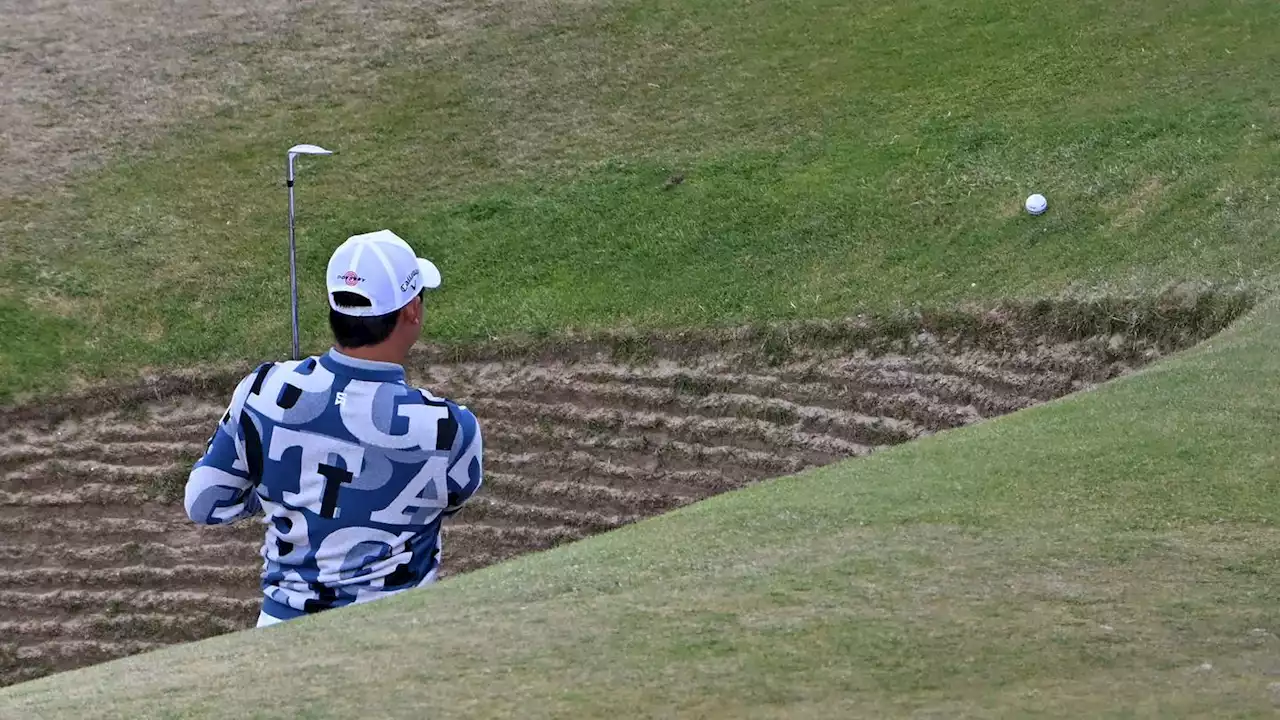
x,y
293,265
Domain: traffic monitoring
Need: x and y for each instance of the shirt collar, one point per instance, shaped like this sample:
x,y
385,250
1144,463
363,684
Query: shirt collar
x,y
340,364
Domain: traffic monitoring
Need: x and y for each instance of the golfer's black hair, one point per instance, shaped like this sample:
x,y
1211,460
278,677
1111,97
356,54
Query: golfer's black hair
x,y
354,332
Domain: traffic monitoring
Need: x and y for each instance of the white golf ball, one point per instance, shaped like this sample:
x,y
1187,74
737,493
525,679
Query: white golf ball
x,y
1036,204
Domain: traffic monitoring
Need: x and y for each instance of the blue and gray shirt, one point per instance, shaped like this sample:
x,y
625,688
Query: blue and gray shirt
x,y
353,471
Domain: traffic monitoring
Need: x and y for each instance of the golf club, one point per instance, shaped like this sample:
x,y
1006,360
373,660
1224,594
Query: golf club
x,y
295,151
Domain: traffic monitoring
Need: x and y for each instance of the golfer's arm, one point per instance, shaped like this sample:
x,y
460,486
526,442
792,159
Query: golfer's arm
x,y
220,487
466,470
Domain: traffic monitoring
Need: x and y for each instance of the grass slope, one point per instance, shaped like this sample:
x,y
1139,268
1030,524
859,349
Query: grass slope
x,y
1109,555
838,155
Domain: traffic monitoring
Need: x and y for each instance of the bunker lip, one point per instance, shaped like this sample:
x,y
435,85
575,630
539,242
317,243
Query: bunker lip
x,y
1177,318
584,433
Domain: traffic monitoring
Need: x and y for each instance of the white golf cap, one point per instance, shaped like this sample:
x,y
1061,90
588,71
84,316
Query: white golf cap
x,y
383,269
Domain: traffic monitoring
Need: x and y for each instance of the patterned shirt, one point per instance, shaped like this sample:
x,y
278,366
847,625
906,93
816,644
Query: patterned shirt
x,y
353,471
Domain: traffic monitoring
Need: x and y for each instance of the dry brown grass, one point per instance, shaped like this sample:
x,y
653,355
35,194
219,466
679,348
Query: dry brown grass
x,y
81,82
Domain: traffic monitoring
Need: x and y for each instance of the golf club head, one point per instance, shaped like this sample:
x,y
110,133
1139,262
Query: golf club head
x,y
309,150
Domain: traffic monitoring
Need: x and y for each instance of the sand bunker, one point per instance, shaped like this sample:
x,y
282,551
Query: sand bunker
x,y
99,560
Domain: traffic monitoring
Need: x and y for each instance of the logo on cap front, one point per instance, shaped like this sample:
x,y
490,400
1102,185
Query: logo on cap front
x,y
350,278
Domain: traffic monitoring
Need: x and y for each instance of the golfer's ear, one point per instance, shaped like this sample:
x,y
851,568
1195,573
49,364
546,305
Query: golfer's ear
x,y
413,311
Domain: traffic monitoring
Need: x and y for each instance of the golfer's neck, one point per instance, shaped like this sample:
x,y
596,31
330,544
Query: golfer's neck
x,y
377,353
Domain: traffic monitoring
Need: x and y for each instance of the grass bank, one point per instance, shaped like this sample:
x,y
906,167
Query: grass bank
x,y
837,158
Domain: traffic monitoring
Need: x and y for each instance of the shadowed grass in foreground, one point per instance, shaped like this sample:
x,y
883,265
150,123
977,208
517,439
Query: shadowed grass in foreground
x,y
838,157
1110,554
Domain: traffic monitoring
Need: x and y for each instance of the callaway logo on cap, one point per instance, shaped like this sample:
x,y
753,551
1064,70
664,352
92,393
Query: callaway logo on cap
x,y
383,269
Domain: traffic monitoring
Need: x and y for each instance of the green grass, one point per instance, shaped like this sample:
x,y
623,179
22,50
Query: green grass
x,y
1109,555
839,157
1112,554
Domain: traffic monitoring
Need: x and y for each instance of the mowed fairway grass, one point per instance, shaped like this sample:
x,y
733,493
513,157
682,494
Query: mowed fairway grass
x,y
1113,554
838,157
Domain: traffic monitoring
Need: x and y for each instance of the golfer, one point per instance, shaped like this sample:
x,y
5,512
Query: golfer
x,y
353,468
